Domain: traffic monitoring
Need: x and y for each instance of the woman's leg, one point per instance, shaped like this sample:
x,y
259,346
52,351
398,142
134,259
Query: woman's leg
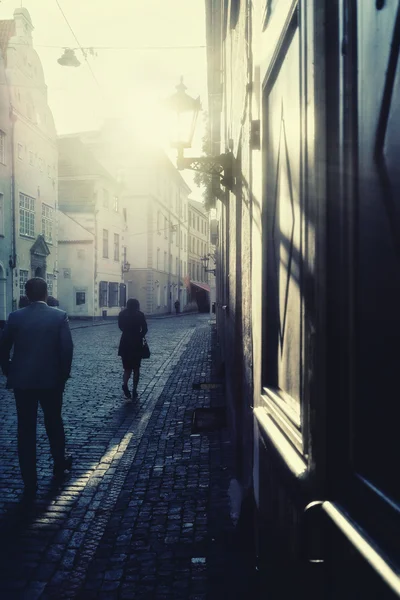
x,y
125,379
136,373
127,375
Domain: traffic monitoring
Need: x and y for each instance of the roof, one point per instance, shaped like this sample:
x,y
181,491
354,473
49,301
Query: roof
x,y
198,206
202,286
76,159
7,31
70,230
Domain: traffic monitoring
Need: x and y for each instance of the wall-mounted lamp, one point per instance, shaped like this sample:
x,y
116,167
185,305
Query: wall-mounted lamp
x,y
206,259
187,110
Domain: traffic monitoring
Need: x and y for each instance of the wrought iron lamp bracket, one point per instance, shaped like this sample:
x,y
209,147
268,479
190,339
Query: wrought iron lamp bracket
x,y
222,165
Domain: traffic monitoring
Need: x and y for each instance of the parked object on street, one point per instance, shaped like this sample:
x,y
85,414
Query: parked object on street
x,y
132,323
177,306
37,372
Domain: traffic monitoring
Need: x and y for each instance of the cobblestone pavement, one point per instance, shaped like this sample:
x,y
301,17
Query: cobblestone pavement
x,y
145,512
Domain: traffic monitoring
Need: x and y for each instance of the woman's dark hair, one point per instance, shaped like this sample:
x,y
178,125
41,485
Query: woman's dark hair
x,y
132,305
23,301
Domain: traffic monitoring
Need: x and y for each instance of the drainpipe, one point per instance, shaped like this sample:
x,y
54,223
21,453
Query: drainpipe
x,y
13,256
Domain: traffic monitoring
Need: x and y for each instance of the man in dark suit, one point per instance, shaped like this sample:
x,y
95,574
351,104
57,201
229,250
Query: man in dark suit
x,y
37,373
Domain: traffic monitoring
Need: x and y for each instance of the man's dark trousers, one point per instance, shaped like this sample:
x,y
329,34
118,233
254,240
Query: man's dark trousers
x,y
27,404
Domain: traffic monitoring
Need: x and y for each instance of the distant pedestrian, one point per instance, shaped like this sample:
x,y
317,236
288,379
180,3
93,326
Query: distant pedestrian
x,y
177,306
51,301
23,302
37,373
133,325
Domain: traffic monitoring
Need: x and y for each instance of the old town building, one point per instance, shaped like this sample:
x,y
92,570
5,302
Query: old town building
x,y
154,201
90,196
32,163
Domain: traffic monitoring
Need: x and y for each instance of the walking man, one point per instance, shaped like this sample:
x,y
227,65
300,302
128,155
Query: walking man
x,y
37,373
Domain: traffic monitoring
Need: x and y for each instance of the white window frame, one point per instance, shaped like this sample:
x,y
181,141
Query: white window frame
x,y
116,246
47,223
2,147
50,283
23,278
26,215
1,214
105,243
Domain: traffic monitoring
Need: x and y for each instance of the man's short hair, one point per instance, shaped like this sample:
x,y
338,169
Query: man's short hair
x,y
36,289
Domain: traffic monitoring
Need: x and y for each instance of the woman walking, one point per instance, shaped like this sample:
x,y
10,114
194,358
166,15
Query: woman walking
x,y
133,325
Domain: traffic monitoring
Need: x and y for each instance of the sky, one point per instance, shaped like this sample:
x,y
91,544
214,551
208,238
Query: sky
x,y
127,80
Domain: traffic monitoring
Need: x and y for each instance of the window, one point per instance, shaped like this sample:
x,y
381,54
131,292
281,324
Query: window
x,y
20,151
50,282
176,266
185,241
31,159
23,278
158,296
122,295
158,259
180,272
198,247
181,236
2,147
116,204
165,261
158,222
1,214
165,227
198,224
184,268
103,293
124,254
116,246
112,294
106,198
124,214
41,164
67,273
105,243
165,295
26,215
80,298
47,223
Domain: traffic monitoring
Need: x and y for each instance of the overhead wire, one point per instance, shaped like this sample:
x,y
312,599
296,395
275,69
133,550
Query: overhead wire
x,y
80,46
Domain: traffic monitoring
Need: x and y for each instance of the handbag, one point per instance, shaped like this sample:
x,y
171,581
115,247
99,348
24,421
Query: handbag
x,y
145,349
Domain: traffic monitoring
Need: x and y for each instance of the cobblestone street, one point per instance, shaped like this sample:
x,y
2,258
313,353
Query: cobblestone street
x,y
145,511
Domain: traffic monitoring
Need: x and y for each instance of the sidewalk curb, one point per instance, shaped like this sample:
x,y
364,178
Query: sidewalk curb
x,y
148,317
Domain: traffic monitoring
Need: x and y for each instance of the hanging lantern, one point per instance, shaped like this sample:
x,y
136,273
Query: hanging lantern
x,y
68,59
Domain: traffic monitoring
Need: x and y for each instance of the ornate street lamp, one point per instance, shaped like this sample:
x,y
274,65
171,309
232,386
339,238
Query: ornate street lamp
x,y
186,110
206,259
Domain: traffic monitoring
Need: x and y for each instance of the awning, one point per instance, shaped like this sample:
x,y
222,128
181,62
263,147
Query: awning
x,y
202,286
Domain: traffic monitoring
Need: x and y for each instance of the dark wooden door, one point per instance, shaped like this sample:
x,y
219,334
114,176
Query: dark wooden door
x,y
377,247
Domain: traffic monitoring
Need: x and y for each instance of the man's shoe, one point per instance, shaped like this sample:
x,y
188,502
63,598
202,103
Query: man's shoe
x,y
58,470
134,394
126,391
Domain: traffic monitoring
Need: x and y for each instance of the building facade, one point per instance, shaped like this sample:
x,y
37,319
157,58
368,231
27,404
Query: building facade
x,y
76,276
199,248
6,212
154,200
304,94
33,159
89,195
